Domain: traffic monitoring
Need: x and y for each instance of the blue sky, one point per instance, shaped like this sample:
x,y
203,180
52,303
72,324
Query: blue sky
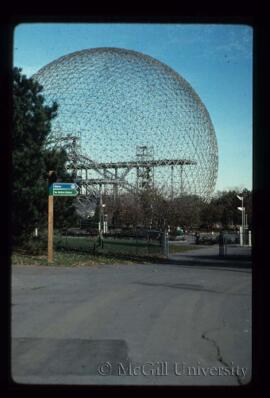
x,y
215,59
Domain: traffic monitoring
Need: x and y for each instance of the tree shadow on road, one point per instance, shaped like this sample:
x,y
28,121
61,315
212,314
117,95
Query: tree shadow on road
x,y
228,261
184,259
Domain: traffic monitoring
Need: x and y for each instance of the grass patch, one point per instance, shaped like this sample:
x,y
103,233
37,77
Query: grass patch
x,y
79,252
65,259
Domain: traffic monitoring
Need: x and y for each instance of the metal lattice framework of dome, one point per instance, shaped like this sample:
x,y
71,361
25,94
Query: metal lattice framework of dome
x,y
128,120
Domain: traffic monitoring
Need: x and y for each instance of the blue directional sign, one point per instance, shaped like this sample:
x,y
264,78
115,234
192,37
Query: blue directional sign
x,y
65,185
64,189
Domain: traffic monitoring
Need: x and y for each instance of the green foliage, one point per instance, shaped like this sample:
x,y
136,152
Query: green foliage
x,y
31,125
223,208
184,210
151,209
31,161
35,245
64,211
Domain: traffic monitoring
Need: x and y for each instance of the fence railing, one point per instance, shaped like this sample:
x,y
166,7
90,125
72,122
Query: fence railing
x,y
110,245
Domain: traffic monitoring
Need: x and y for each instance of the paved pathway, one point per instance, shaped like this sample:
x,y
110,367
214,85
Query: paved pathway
x,y
183,323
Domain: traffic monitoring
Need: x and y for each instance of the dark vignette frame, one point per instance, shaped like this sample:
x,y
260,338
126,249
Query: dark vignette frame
x,y
261,182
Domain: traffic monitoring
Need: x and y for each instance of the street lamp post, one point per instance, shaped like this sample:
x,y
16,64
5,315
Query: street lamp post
x,y
101,217
100,211
242,209
104,223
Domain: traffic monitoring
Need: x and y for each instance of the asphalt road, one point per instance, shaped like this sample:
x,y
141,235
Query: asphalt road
x,y
184,323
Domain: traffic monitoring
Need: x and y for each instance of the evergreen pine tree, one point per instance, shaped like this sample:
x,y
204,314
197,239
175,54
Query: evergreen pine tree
x,y
31,159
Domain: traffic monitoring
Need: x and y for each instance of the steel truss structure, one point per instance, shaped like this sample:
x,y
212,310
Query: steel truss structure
x,y
128,122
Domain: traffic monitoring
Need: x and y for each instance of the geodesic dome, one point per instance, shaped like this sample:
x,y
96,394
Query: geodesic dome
x,y
135,118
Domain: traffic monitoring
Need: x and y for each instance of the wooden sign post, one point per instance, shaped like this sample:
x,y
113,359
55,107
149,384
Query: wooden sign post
x,y
51,179
50,229
56,189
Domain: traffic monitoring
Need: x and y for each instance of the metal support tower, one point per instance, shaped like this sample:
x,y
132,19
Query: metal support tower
x,y
145,173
